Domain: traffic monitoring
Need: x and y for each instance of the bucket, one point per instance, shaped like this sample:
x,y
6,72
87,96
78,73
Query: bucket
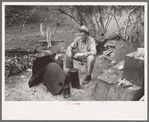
x,y
75,83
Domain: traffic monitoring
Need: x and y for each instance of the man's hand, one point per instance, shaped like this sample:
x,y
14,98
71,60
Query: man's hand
x,y
78,55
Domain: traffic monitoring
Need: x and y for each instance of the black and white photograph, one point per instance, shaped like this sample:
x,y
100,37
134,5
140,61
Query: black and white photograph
x,y
86,56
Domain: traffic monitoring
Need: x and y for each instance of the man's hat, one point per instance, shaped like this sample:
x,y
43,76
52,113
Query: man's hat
x,y
84,29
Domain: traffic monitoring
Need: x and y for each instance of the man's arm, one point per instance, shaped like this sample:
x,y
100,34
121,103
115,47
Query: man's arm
x,y
70,47
92,47
73,45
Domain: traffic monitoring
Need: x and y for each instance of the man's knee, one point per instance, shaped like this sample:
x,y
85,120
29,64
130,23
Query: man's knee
x,y
91,59
73,52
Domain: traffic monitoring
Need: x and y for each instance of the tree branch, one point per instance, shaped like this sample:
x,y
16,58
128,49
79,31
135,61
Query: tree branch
x,y
28,17
100,18
117,24
74,18
126,28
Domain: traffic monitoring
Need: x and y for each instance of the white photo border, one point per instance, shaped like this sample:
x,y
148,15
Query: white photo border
x,y
59,110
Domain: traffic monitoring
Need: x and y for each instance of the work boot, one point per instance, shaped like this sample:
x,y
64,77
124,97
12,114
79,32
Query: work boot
x,y
66,92
87,79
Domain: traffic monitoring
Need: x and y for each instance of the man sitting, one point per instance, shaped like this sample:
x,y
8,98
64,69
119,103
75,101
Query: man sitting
x,y
82,49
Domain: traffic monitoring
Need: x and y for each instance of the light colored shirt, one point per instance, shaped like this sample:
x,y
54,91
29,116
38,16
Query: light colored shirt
x,y
89,46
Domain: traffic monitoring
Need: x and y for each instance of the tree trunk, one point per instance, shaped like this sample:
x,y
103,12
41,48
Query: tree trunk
x,y
126,28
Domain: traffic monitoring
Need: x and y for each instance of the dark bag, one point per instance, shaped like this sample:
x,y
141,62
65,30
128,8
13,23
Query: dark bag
x,y
38,69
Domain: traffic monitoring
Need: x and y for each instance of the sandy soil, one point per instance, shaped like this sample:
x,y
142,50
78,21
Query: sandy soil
x,y
17,89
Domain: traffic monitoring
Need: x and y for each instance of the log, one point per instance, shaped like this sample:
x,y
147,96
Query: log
x,y
108,51
110,58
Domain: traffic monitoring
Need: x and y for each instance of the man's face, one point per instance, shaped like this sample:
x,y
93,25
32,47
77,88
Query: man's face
x,y
83,35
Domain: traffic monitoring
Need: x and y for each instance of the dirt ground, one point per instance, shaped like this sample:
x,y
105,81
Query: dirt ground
x,y
16,86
